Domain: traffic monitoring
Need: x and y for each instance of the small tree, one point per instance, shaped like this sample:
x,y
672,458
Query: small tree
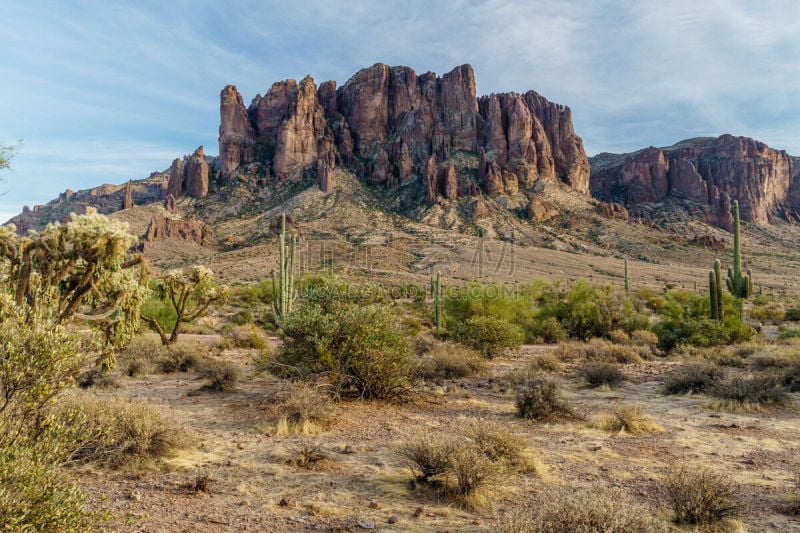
x,y
190,292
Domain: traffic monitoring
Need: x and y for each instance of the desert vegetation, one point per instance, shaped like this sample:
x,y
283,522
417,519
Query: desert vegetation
x,y
434,405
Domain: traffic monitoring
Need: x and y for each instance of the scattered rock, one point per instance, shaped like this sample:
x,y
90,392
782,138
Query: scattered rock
x,y
286,501
366,525
419,512
392,519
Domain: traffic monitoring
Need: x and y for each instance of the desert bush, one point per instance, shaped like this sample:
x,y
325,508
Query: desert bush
x,y
701,331
567,510
767,313
358,347
619,336
644,337
549,330
306,456
699,496
473,473
629,418
692,378
220,375
35,495
602,374
744,392
785,332
773,361
451,361
118,433
542,399
301,408
98,379
545,362
247,336
791,504
791,378
242,317
598,350
488,335
428,458
792,314
182,357
499,445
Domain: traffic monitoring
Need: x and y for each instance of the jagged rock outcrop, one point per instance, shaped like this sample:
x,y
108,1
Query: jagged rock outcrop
x,y
385,123
324,176
613,211
430,177
170,204
127,201
175,183
450,183
195,231
195,174
709,171
540,210
236,136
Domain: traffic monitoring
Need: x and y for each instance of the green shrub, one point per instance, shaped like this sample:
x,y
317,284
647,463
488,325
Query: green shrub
x,y
692,378
358,347
35,495
542,399
488,335
785,332
568,510
791,378
702,332
549,330
451,361
598,350
240,318
699,496
602,374
792,314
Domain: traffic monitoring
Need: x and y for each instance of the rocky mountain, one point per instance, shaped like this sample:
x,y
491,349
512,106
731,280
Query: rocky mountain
x,y
708,172
390,126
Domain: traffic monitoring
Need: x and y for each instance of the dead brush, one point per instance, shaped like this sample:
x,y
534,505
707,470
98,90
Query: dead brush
x,y
567,510
120,433
220,375
427,457
501,446
628,418
308,456
600,351
301,408
749,393
698,496
542,399
451,361
602,375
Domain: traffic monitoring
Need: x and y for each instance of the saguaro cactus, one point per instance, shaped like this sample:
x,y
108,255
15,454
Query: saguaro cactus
x,y
627,281
715,291
437,301
740,285
283,293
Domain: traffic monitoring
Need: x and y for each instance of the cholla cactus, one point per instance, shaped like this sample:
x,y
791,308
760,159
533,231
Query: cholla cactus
x,y
190,292
78,271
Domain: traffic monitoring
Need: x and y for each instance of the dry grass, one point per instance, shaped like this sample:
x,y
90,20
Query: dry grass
x,y
308,456
121,433
692,378
545,362
451,361
628,418
749,393
300,408
496,442
567,510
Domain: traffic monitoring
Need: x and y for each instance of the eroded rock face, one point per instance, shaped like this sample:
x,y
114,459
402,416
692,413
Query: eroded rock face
x,y
236,135
540,210
196,174
386,122
711,171
195,231
127,201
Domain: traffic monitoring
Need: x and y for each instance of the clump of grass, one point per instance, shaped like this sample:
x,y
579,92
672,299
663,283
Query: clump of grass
x,y
120,433
567,510
246,336
220,375
451,361
628,418
698,496
473,475
602,375
306,456
500,446
301,408
692,378
542,399
428,458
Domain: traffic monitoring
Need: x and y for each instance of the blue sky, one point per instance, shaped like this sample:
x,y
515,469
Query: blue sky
x,y
104,91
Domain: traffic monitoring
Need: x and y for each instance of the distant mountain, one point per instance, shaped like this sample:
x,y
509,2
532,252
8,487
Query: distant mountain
x,y
710,172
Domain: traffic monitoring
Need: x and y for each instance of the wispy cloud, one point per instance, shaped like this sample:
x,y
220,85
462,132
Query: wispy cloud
x,y
102,92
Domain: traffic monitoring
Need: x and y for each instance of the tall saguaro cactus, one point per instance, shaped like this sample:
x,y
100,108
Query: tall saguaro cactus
x,y
437,301
740,285
283,293
715,291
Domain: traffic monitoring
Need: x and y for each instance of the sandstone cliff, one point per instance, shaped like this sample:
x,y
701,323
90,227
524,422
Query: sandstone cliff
x,y
709,171
385,123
